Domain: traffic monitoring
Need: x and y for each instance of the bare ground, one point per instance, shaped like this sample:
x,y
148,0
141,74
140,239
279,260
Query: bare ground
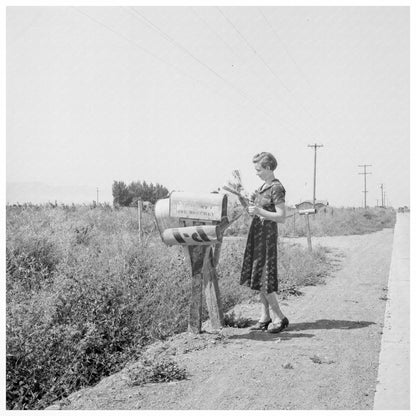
x,y
327,359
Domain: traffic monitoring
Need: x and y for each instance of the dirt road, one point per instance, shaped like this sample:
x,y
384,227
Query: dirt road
x,y
327,359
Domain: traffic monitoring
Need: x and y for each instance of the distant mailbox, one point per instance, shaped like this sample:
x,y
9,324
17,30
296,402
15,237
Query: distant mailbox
x,y
307,211
307,207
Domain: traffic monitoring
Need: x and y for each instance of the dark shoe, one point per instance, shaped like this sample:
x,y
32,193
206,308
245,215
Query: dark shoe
x,y
261,325
273,329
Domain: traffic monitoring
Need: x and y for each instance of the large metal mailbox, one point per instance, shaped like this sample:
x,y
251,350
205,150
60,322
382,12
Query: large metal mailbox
x,y
191,218
198,222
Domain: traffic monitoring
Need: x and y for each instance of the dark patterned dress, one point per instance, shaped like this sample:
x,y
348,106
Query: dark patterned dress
x,y
261,248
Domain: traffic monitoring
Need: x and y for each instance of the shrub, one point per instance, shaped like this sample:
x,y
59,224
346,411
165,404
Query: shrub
x,y
159,371
99,297
30,263
230,319
298,267
98,315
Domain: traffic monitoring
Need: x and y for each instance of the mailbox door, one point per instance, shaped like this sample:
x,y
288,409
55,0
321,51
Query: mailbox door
x,y
201,207
163,220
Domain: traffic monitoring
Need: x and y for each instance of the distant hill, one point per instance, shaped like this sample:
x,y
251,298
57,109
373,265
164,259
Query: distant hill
x,y
39,193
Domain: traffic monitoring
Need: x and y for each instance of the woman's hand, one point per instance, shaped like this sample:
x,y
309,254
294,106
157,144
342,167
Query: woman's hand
x,y
253,210
278,216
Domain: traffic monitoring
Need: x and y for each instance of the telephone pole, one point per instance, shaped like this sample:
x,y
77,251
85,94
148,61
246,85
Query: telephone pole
x,y
315,146
382,194
365,173
97,196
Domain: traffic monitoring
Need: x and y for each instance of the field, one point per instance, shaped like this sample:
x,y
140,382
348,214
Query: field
x,y
84,295
327,222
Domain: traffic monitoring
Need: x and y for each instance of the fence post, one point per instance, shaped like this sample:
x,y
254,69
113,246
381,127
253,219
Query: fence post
x,y
294,224
308,233
139,214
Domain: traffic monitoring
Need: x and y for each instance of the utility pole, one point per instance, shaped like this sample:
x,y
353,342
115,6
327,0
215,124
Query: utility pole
x,y
382,195
315,146
97,196
365,173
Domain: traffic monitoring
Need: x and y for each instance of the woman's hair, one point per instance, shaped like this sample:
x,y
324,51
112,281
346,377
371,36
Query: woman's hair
x,y
266,160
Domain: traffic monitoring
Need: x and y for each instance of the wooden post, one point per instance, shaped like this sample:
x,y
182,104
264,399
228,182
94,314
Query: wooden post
x,y
294,224
308,233
204,276
139,214
212,291
217,252
197,256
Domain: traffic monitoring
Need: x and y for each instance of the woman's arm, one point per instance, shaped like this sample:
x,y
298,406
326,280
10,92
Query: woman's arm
x,y
279,216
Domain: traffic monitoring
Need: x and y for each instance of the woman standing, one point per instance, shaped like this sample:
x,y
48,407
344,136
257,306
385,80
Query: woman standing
x,y
259,271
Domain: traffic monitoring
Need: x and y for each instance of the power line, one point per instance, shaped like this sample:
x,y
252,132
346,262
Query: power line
x,y
232,50
29,25
215,33
254,50
132,42
149,52
145,50
284,46
294,61
265,63
177,44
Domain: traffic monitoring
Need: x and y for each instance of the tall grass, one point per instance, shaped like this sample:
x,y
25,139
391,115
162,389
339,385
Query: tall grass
x,y
84,295
328,221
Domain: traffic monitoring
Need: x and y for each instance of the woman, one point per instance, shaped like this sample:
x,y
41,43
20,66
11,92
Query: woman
x,y
259,271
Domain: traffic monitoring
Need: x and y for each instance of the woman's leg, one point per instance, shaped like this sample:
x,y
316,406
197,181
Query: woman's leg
x,y
277,314
265,307
265,314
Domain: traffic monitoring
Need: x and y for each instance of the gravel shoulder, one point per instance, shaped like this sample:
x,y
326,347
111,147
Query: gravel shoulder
x,y
327,359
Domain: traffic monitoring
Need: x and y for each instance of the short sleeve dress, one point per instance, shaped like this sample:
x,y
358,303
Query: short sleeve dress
x,y
261,248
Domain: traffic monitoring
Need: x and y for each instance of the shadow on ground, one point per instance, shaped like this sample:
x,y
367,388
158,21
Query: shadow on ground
x,y
293,329
328,324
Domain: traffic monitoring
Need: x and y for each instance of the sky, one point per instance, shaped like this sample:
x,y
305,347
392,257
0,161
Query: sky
x,y
182,96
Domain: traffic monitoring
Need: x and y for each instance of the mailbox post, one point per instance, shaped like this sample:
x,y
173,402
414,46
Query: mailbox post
x,y
197,222
307,208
